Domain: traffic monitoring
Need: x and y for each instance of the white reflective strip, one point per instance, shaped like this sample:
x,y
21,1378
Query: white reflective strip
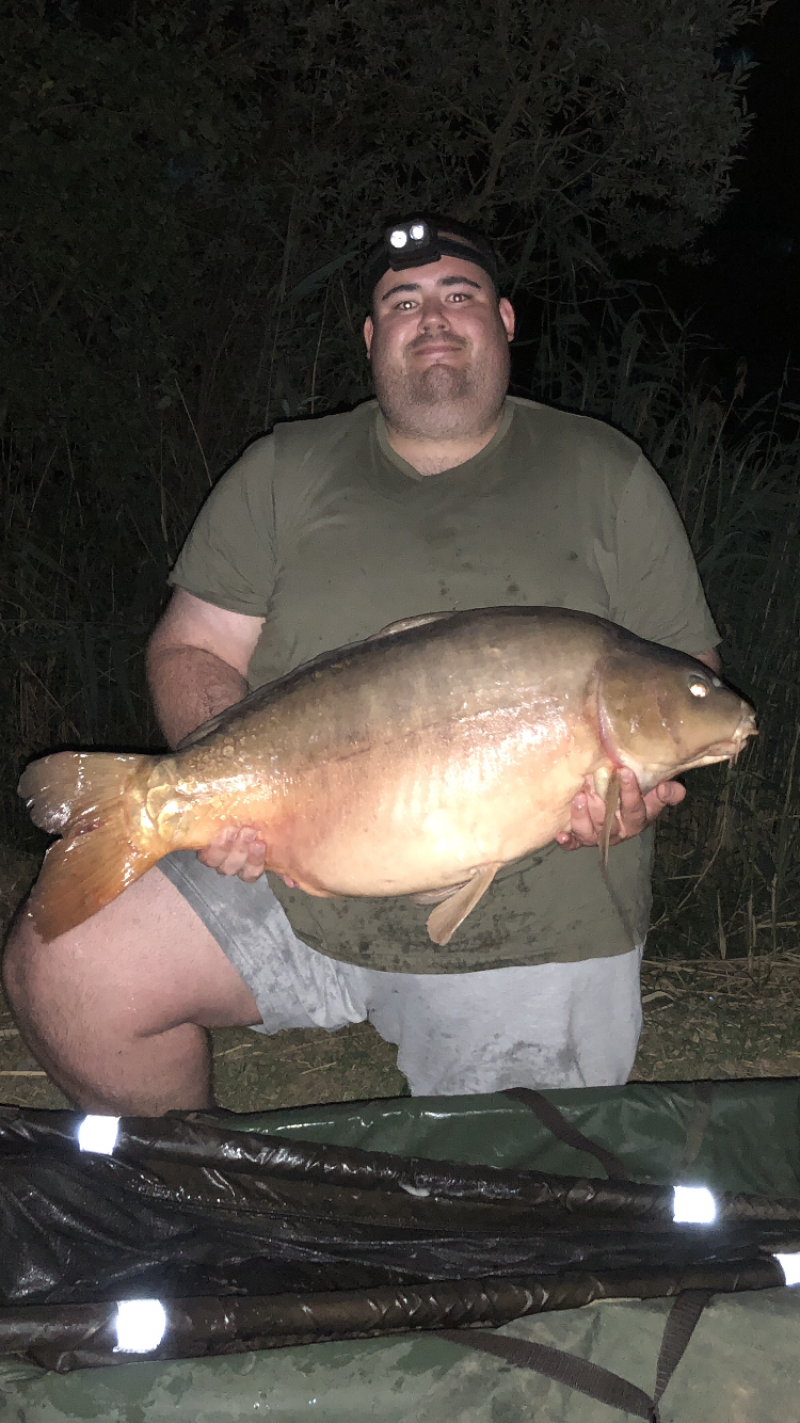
x,y
790,1264
140,1325
98,1134
693,1205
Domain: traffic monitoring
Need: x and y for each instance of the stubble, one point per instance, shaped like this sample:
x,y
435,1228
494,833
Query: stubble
x,y
442,401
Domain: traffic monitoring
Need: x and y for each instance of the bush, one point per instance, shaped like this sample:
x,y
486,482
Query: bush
x,y
184,192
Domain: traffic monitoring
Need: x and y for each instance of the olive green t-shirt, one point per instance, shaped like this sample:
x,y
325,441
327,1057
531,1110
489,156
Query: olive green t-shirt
x,y
329,535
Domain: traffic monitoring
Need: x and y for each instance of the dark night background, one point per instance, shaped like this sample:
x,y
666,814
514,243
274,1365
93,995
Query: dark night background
x,y
184,192
748,296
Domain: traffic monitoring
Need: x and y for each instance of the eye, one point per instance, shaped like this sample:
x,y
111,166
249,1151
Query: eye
x,y
698,688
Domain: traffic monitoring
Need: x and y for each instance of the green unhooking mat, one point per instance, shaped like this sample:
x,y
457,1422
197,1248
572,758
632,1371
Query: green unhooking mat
x,y
413,1221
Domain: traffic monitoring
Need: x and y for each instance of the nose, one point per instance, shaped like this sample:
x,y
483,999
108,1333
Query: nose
x,y
433,313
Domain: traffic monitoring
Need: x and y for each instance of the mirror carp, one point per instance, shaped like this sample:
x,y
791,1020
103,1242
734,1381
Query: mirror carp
x,y
417,762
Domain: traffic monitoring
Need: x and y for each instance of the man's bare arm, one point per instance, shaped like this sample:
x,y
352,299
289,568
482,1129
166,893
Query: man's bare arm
x,y
636,811
197,660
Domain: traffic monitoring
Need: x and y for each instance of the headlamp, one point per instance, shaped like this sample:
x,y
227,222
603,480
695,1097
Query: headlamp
x,y
416,241
411,244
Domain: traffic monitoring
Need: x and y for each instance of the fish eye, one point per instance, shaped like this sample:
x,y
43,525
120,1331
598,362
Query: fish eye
x,y
698,687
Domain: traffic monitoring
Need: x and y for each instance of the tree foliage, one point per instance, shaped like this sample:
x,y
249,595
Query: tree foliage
x,y
184,192
172,178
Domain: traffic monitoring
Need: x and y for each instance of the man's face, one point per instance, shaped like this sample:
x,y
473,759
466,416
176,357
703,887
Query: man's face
x,y
438,344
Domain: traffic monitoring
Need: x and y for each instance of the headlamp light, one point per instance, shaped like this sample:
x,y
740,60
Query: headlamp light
x,y
411,244
416,241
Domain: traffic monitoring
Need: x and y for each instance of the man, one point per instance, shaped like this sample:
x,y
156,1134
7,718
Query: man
x,y
444,493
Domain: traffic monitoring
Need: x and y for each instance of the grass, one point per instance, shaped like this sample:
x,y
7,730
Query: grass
x,y
707,1019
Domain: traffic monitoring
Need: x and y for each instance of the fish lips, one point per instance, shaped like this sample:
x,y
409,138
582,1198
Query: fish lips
x,y
726,750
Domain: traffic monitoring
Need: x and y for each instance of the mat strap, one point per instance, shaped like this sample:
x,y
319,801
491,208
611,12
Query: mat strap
x,y
589,1378
555,1122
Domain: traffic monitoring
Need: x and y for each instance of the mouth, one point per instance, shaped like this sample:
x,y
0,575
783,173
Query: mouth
x,y
439,348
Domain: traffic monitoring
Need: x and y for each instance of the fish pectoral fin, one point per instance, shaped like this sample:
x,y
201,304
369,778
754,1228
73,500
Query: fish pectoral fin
x,y
453,910
612,805
601,779
435,896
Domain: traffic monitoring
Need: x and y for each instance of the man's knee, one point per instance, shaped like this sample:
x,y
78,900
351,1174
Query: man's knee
x,y
95,1010
21,968
43,983
141,966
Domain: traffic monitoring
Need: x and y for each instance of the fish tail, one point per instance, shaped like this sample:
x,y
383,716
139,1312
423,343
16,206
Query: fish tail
x,y
85,797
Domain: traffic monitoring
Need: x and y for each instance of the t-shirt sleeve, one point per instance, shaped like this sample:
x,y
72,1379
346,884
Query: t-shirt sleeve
x,y
229,555
658,592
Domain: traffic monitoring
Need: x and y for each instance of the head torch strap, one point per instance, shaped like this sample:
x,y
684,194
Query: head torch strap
x,y
450,248
440,244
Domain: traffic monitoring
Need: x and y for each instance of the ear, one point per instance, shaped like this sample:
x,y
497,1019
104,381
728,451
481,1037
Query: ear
x,y
369,331
507,316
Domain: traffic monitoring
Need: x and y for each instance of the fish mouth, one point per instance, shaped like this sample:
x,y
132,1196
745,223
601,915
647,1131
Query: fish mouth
x,y
747,727
728,750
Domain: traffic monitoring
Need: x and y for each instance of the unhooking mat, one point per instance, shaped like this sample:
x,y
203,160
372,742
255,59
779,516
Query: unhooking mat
x,y
742,1363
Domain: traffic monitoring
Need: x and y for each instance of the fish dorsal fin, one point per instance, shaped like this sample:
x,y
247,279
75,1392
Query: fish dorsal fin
x,y
405,624
204,729
447,916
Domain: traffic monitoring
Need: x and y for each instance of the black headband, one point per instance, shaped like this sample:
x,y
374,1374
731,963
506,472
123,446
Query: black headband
x,y
417,241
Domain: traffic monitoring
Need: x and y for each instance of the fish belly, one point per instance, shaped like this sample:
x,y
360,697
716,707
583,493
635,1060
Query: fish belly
x,y
402,819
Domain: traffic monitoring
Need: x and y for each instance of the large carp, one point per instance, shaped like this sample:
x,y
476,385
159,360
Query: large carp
x,y
417,762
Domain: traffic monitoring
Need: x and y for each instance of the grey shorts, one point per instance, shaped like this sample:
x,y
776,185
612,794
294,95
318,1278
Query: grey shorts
x,y
549,1025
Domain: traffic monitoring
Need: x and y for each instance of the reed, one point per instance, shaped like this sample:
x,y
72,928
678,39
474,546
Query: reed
x,y
88,544
727,868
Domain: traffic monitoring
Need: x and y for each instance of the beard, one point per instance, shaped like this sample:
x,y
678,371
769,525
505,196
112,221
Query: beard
x,y
442,401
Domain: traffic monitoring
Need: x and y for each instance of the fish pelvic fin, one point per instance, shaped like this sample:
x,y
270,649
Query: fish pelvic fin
x,y
86,797
446,917
435,896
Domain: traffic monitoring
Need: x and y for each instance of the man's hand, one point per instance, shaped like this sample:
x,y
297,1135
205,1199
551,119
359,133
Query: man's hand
x,y
635,811
236,851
